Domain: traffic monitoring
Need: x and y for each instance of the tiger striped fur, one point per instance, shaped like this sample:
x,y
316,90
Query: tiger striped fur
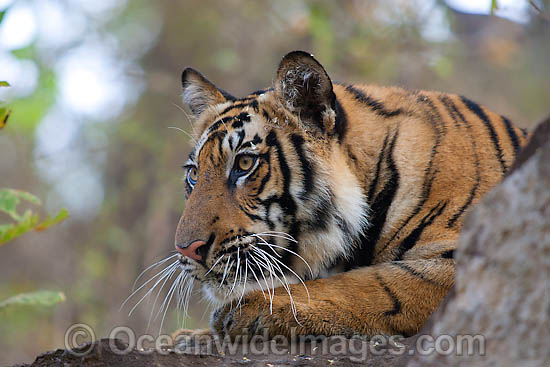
x,y
331,208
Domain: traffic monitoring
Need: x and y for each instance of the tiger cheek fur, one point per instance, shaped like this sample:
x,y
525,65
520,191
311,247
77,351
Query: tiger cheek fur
x,y
332,209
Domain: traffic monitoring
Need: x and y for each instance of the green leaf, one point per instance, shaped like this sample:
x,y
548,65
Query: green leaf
x,y
2,13
10,198
48,222
38,298
3,83
4,115
10,231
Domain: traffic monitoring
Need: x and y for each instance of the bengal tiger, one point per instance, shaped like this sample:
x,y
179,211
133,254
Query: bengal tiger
x,y
321,208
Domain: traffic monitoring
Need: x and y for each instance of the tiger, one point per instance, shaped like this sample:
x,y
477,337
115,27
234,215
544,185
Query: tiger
x,y
321,208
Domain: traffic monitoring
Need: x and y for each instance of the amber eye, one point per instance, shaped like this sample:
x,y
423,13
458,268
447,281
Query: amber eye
x,y
245,162
192,176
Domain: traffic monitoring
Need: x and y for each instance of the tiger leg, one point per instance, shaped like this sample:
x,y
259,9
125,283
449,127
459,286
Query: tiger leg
x,y
389,298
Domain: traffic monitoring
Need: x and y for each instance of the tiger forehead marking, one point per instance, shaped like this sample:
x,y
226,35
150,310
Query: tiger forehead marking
x,y
335,194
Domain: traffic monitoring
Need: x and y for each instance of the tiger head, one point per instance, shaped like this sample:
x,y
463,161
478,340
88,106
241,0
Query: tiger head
x,y
270,197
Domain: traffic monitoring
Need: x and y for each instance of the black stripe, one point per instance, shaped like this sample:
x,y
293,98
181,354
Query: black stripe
x,y
512,134
375,105
260,91
409,241
243,116
341,121
233,107
463,208
217,124
307,168
430,172
254,217
266,114
265,179
255,141
254,105
435,117
286,202
220,145
220,135
426,190
453,110
396,303
374,182
452,106
241,135
415,272
448,254
475,108
364,252
320,215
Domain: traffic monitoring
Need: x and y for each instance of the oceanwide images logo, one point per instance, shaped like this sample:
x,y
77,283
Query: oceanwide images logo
x,y
80,339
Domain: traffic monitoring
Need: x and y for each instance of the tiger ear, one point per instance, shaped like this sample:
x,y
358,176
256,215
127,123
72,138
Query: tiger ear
x,y
199,93
303,86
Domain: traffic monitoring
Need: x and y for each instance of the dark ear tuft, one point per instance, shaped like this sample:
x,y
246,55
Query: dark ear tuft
x,y
199,93
304,88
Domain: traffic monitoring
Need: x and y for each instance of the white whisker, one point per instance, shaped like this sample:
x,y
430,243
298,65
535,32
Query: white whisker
x,y
169,290
292,252
284,283
279,235
158,263
185,132
265,279
225,270
266,243
156,299
171,294
189,120
212,267
293,272
256,277
236,272
161,273
245,278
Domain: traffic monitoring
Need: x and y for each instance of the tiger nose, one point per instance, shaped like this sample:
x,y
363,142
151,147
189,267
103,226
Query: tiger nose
x,y
191,250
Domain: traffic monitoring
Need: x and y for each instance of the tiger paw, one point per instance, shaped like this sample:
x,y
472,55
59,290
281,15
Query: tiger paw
x,y
255,316
193,341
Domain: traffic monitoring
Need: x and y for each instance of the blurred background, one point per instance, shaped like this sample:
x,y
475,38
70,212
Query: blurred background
x,y
95,88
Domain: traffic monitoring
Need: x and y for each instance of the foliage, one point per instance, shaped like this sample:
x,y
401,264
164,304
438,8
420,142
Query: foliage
x,y
9,200
4,112
38,298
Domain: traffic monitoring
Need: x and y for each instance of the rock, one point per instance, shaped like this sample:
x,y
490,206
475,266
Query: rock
x,y
106,352
503,267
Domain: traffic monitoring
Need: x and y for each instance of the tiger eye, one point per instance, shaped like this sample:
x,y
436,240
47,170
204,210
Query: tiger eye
x,y
245,162
193,174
